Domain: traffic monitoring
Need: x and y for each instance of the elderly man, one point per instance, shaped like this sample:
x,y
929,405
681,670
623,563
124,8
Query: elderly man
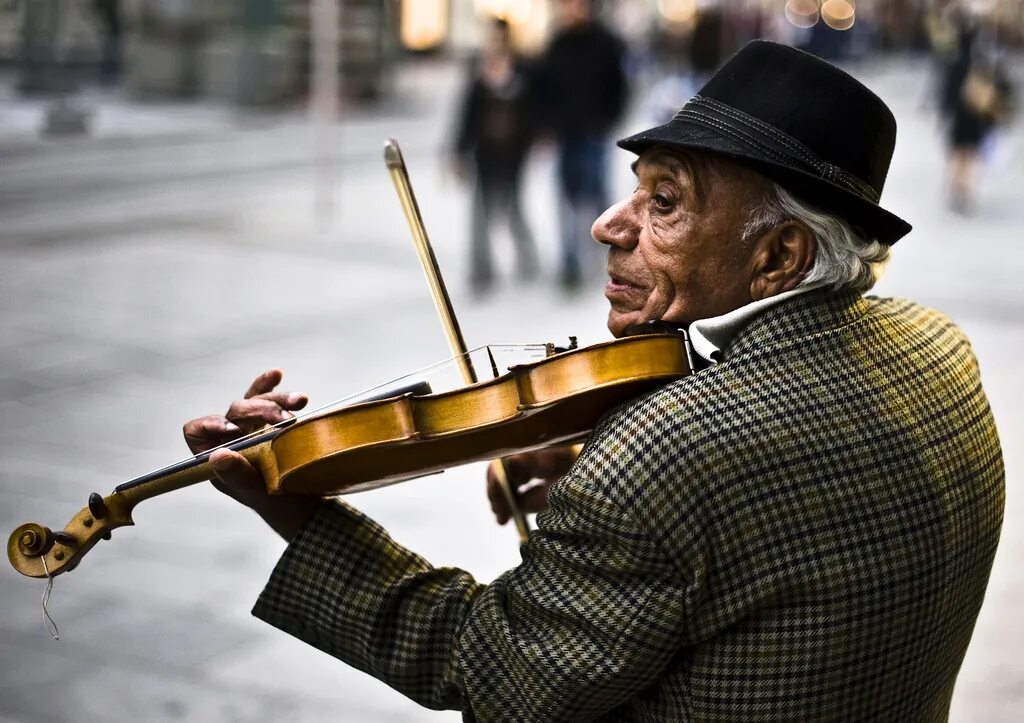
x,y
802,530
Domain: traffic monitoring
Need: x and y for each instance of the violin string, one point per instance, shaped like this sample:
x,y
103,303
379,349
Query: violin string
x,y
48,623
418,372
337,402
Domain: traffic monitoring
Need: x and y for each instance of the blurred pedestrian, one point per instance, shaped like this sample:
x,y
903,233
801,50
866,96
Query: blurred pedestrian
x,y
108,12
582,91
492,142
941,30
975,98
707,45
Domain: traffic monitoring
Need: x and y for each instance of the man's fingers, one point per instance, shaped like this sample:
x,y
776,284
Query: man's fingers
x,y
552,463
287,400
264,383
535,498
541,464
237,476
251,412
495,495
208,432
518,468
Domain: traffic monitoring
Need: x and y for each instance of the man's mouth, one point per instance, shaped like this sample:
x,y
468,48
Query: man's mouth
x,y
619,287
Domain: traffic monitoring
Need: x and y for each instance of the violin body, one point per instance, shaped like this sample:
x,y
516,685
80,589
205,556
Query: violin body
x,y
557,400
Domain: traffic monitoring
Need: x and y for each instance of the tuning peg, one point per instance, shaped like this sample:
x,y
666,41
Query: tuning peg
x,y
63,538
97,506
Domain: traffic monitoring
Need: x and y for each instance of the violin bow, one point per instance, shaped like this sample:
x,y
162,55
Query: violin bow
x,y
400,177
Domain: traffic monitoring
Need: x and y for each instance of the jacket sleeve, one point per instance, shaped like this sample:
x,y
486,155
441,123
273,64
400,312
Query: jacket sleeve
x,y
588,619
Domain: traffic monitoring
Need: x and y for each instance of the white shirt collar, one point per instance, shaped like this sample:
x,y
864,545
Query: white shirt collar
x,y
709,336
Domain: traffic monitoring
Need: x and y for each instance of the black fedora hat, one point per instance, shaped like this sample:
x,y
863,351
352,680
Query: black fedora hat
x,y
798,120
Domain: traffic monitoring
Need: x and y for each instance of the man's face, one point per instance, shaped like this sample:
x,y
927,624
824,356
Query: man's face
x,y
498,40
573,12
674,245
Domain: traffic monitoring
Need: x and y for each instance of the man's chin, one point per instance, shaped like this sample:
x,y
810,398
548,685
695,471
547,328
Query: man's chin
x,y
619,321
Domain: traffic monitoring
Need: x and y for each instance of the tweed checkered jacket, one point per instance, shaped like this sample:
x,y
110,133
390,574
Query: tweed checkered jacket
x,y
802,532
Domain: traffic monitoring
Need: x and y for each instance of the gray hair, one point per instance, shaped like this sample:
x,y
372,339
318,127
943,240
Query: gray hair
x,y
844,260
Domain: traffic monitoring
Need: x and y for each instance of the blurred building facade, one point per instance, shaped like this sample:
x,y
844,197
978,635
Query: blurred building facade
x,y
250,51
259,51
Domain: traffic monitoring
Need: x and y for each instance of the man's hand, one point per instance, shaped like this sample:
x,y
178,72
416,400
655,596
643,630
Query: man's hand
x,y
261,406
546,465
236,477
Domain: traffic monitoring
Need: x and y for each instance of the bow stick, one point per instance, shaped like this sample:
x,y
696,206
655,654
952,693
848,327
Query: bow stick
x,y
400,177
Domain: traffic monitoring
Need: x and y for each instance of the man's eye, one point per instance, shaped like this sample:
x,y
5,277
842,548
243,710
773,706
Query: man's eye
x,y
662,202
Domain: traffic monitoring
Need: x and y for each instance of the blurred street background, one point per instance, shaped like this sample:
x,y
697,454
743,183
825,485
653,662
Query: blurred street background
x,y
193,192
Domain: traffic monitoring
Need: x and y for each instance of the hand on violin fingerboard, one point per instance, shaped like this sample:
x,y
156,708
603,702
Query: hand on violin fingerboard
x,y
546,465
260,406
236,476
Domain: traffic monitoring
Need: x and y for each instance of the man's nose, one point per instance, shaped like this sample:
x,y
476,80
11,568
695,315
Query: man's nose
x,y
617,226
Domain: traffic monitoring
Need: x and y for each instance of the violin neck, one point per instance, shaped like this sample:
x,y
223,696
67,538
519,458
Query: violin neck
x,y
197,469
36,551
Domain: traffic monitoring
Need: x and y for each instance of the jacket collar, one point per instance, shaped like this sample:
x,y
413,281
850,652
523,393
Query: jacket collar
x,y
819,310
710,336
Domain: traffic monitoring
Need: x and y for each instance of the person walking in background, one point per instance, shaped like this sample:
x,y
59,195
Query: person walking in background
x,y
582,92
108,12
706,45
975,97
491,145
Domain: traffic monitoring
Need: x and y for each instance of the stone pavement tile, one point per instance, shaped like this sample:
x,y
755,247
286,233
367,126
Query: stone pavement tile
x,y
197,312
110,116
991,676
985,709
73,459
54,353
357,707
186,580
997,698
16,388
197,525
156,632
70,602
323,686
108,362
114,428
14,337
109,690
36,668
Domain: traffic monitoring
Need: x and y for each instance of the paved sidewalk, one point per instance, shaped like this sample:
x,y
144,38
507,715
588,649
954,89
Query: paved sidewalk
x,y
142,281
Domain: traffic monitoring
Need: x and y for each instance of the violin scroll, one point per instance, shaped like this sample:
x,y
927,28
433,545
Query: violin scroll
x,y
33,540
31,543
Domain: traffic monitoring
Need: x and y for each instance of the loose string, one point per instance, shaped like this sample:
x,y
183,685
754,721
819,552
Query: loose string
x,y
48,623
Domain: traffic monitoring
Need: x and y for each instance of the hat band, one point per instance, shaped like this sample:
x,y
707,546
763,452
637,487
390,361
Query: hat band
x,y
766,140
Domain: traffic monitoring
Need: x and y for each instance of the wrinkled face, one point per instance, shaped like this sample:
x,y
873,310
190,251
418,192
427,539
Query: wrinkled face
x,y
674,245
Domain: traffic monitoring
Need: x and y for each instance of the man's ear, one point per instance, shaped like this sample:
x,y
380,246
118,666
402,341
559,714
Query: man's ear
x,y
782,257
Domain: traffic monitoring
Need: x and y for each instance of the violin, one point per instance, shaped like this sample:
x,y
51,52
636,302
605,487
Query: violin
x,y
556,400
401,434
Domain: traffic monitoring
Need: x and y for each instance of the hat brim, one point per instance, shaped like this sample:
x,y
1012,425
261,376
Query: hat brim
x,y
870,218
